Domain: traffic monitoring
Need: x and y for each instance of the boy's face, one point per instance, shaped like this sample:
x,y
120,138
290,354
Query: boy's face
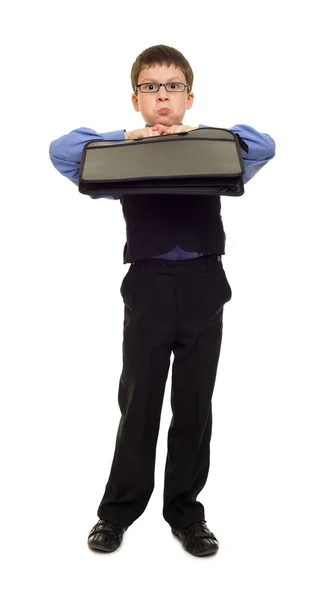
x,y
150,104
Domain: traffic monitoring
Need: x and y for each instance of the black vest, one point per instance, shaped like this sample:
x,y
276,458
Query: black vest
x,y
157,223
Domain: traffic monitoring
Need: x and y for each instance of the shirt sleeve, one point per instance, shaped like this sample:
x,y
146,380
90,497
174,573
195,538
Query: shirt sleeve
x,y
261,148
66,152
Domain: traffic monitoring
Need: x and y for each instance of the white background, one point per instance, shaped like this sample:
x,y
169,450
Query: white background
x,y
67,65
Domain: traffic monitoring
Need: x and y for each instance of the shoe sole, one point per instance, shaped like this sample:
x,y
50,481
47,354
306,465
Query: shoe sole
x,y
205,553
102,548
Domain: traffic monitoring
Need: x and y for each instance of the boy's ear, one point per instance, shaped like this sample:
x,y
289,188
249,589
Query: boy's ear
x,y
135,102
190,99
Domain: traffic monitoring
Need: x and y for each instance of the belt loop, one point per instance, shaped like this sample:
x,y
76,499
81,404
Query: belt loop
x,y
142,267
207,262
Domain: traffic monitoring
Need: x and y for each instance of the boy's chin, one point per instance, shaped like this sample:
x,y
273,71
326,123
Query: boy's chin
x,y
164,120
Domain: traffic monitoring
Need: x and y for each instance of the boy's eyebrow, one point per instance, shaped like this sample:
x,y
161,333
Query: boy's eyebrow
x,y
176,78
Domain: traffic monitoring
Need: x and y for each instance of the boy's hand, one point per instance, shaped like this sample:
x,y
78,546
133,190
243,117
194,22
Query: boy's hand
x,y
172,129
141,133
157,129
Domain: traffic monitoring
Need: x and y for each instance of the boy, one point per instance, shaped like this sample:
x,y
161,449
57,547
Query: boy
x,y
174,293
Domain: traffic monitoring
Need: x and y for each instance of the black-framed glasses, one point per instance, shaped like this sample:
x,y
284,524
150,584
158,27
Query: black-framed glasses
x,y
152,88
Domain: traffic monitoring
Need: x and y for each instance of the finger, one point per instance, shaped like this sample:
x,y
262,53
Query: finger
x,y
160,127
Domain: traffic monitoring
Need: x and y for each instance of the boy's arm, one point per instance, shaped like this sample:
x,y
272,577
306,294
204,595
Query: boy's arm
x,y
261,149
66,152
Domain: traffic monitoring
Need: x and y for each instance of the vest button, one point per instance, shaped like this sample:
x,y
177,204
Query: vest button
x,y
163,265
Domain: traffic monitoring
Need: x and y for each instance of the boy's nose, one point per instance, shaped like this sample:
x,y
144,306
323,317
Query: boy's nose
x,y
162,91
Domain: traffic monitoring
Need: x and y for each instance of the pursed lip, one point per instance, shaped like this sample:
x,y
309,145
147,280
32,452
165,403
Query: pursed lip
x,y
163,111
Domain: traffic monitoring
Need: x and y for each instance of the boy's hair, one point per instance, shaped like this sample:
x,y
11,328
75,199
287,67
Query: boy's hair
x,y
161,55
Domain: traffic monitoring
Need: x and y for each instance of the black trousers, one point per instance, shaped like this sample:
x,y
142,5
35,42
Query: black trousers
x,y
170,306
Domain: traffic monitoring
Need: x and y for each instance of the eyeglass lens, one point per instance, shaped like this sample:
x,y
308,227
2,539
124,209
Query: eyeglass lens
x,y
170,87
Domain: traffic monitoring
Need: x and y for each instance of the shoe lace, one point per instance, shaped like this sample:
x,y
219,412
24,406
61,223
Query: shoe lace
x,y
196,530
111,528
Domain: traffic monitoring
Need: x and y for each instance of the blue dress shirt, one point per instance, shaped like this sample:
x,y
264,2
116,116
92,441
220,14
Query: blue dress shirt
x,y
66,152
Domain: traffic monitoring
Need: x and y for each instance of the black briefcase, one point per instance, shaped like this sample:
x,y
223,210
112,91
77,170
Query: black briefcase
x,y
201,161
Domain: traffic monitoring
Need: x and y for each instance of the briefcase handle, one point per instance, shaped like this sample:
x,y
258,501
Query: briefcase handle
x,y
242,143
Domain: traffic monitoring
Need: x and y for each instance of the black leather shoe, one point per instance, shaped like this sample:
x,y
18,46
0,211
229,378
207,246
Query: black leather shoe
x,y
106,536
197,539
